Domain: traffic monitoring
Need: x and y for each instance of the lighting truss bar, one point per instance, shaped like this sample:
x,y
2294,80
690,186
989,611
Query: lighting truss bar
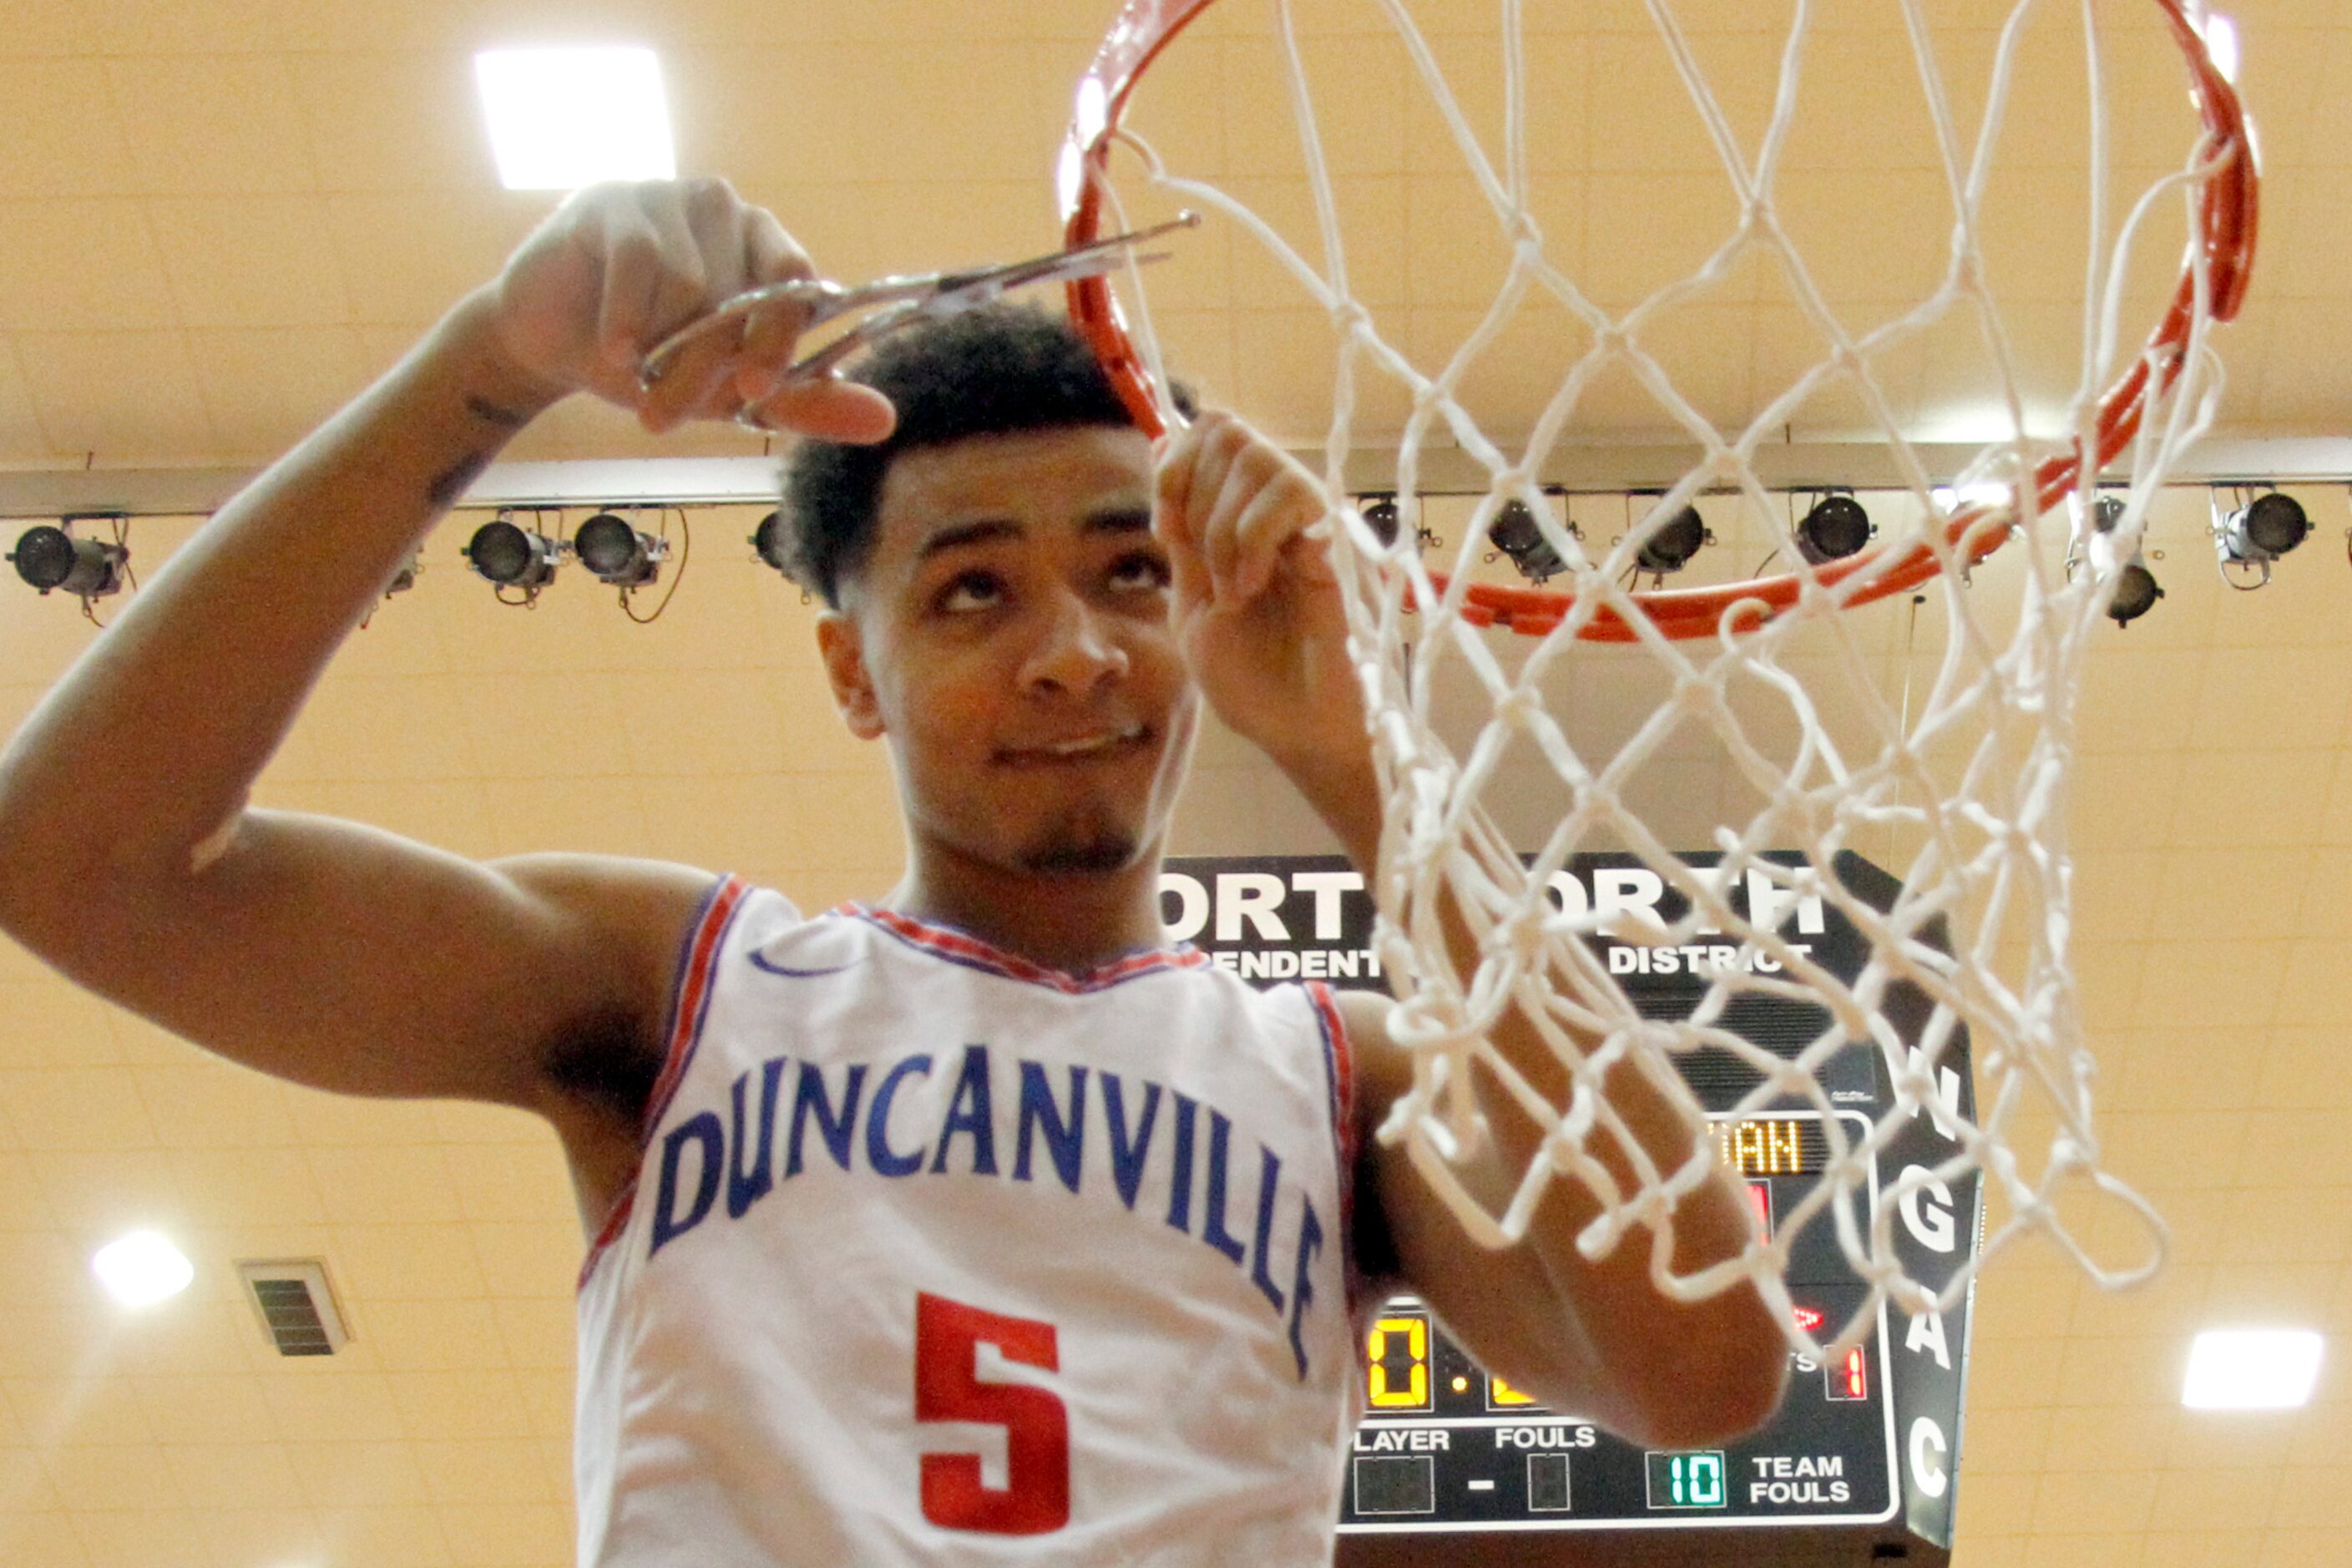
x,y
194,490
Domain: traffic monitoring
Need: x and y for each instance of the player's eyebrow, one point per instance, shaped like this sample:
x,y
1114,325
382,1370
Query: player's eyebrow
x,y
1120,519
964,533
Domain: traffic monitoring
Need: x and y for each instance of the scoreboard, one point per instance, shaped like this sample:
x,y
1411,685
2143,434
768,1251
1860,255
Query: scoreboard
x,y
1863,1450
1437,1423
1447,1442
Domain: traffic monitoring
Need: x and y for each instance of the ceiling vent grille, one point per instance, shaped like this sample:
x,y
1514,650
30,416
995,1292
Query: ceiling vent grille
x,y
296,1305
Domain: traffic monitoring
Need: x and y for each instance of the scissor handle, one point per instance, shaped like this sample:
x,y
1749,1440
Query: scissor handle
x,y
825,298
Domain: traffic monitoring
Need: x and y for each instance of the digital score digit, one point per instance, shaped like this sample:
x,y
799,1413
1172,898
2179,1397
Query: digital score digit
x,y
1849,1376
1501,1396
1777,1147
1689,1480
1396,1364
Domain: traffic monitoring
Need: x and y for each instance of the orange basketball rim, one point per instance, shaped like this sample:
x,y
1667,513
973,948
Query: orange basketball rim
x,y
2225,228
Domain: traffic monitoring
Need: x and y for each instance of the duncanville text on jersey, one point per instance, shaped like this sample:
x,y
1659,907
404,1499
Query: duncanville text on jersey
x,y
788,1114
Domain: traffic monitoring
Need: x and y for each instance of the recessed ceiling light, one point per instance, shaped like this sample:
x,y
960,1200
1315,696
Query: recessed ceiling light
x,y
2251,1369
142,1269
562,119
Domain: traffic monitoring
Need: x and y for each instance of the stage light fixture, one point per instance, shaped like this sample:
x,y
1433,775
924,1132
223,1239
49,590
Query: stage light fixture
x,y
513,556
1834,528
1382,516
2255,535
402,581
1671,546
405,578
49,558
768,539
617,552
1517,534
2265,528
2135,591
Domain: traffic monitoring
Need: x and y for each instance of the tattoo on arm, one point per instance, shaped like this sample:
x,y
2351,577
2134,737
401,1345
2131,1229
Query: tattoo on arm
x,y
482,408
445,489
453,481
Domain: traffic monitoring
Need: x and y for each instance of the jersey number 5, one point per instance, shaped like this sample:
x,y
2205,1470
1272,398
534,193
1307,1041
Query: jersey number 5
x,y
1036,1494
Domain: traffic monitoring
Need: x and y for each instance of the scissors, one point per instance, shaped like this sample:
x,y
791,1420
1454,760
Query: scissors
x,y
902,301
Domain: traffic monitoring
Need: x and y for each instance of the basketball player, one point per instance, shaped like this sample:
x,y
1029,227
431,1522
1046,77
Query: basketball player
x,y
972,1226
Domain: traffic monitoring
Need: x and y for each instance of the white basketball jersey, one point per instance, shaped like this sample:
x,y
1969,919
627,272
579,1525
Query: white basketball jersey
x,y
937,1256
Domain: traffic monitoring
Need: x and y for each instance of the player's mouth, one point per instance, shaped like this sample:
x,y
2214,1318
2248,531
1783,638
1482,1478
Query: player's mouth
x,y
1097,745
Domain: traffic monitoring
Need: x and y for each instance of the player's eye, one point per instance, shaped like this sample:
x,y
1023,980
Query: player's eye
x,y
971,591
1145,571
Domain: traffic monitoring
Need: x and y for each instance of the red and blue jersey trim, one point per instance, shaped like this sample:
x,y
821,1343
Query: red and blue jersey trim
x,y
689,996
961,948
690,1006
1339,1081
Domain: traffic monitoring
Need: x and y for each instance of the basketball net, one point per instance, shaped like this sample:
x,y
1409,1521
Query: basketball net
x,y
1969,780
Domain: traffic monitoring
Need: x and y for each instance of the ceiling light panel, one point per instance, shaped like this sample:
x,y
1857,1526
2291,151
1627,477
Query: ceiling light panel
x,y
2251,1369
562,118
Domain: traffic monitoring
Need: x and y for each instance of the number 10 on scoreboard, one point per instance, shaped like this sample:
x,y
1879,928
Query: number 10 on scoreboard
x,y
1693,1478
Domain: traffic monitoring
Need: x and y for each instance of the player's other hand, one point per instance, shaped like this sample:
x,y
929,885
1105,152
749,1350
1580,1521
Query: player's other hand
x,y
618,268
1254,605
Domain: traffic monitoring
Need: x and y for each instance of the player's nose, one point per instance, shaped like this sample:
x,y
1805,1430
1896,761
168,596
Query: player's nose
x,y
1078,649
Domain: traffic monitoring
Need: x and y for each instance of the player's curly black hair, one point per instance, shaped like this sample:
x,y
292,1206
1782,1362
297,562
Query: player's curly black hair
x,y
990,372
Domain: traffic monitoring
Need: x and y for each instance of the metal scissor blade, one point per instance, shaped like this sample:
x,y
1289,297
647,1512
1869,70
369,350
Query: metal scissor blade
x,y
1088,260
982,287
973,294
900,301
1187,218
956,292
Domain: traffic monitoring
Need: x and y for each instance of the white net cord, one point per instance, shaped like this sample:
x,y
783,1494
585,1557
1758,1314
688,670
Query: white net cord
x,y
1966,784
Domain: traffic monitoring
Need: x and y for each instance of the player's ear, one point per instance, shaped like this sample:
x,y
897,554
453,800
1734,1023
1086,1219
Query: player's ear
x,y
844,652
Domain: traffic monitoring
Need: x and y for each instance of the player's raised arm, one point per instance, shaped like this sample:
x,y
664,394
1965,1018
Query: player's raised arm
x,y
319,950
1257,612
